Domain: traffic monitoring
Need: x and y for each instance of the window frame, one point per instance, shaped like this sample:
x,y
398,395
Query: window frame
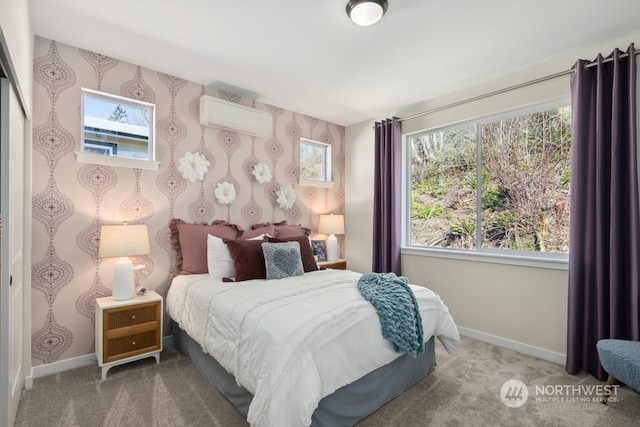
x,y
549,260
83,156
327,166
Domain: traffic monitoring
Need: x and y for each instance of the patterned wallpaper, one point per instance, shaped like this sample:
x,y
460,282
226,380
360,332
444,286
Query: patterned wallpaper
x,y
71,200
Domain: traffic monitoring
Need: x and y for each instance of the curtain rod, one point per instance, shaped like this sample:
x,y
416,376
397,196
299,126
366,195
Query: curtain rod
x,y
510,88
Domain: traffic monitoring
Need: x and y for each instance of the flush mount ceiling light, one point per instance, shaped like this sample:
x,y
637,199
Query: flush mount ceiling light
x,y
366,12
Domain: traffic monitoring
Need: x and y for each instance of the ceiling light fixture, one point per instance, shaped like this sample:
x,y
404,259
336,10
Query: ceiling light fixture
x,y
366,12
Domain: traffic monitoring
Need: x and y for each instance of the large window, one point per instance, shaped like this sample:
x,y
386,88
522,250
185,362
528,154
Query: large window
x,y
501,184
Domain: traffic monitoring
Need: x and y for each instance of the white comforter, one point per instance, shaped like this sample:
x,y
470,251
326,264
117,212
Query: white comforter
x,y
293,341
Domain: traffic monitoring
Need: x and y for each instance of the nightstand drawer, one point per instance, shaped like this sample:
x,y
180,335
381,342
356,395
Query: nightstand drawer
x,y
123,317
131,345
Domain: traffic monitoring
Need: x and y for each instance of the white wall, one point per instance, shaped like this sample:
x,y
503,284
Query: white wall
x,y
15,24
358,208
524,308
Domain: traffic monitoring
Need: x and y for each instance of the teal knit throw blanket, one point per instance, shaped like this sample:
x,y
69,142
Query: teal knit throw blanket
x,y
397,308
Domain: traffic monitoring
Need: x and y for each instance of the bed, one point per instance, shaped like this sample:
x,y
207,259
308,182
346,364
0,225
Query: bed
x,y
300,350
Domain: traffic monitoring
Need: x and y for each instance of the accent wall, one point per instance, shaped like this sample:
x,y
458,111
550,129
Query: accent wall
x,y
71,200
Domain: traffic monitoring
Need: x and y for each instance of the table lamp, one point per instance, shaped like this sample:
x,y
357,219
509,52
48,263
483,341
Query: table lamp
x,y
331,225
122,241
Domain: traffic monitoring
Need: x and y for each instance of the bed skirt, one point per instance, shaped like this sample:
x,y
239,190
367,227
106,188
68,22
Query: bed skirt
x,y
344,407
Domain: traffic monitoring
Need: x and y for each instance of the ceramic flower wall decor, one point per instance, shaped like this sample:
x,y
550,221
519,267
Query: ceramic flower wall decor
x,y
262,173
225,192
193,166
286,197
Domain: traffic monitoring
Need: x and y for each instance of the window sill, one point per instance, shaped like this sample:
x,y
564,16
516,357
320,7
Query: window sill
x,y
553,261
312,183
117,161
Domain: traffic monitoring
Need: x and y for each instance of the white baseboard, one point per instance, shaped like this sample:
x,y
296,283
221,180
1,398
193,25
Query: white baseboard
x,y
530,350
64,365
72,363
28,380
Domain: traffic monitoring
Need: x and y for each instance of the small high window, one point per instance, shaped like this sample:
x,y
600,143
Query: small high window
x,y
315,163
117,131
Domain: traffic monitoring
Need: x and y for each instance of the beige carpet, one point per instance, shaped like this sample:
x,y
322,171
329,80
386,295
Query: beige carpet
x,y
464,390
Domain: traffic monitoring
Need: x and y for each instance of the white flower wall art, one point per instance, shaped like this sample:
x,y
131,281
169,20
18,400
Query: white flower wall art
x,y
286,197
225,192
262,173
193,166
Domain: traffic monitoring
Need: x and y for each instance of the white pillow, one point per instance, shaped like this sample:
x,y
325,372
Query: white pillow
x,y
219,262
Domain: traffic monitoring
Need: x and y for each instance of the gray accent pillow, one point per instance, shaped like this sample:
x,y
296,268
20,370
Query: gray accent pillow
x,y
282,260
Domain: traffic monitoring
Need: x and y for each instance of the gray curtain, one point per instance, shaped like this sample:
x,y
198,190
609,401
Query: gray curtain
x,y
387,197
604,249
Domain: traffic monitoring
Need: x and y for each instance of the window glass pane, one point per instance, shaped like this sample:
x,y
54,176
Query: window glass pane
x,y
115,126
443,188
315,163
525,191
523,204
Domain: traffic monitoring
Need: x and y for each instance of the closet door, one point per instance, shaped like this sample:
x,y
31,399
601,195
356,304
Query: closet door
x,y
12,141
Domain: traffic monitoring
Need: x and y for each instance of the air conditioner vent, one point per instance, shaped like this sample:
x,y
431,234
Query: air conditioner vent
x,y
236,117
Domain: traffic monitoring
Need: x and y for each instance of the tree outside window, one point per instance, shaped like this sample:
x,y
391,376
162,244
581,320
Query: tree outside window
x,y
315,161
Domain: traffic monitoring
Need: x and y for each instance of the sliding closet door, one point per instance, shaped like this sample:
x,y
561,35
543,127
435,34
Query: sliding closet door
x,y
12,122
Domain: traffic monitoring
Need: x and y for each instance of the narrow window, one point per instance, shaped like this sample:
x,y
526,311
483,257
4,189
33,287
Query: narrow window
x,y
315,163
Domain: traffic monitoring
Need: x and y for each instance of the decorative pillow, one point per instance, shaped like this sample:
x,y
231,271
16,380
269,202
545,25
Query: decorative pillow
x,y
250,234
219,261
248,259
306,252
292,230
284,229
190,243
282,260
175,241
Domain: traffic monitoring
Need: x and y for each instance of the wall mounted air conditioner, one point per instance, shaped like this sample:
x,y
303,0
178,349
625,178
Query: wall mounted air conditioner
x,y
232,116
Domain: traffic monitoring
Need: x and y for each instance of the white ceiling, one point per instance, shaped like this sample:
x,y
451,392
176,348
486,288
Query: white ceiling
x,y
306,56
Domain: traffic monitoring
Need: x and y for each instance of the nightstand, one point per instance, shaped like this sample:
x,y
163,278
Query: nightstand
x,y
128,330
338,264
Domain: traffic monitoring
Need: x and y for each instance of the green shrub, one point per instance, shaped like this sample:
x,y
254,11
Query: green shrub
x,y
463,228
424,211
494,199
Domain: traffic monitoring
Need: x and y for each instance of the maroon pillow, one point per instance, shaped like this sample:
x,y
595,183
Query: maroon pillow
x,y
284,229
255,232
190,243
248,259
306,252
175,241
292,230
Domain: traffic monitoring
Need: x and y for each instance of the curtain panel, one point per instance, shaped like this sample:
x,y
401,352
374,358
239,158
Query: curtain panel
x,y
604,248
387,197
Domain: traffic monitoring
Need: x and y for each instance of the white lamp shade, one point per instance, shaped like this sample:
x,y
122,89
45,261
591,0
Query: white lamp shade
x,y
123,241
331,224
